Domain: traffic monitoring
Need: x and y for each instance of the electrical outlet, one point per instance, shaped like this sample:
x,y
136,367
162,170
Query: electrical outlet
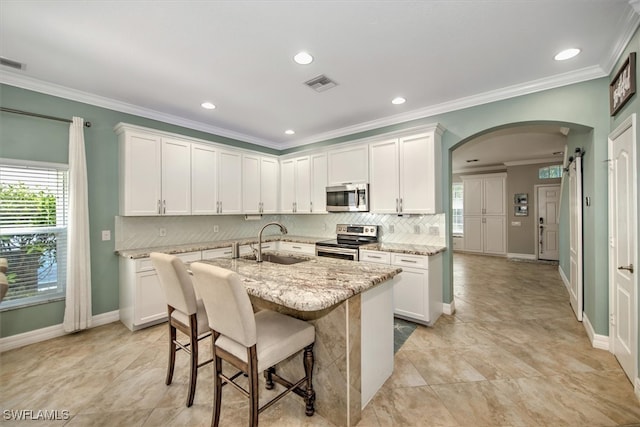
x,y
416,229
392,228
216,228
162,232
106,235
434,230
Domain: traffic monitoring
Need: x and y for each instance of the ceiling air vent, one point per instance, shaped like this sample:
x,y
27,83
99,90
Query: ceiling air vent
x,y
321,83
13,64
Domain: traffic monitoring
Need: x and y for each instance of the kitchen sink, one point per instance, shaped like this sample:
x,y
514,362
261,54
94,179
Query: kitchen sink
x,y
279,259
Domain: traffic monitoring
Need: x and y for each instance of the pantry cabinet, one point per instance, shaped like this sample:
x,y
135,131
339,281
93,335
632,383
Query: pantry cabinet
x,y
405,174
484,213
259,184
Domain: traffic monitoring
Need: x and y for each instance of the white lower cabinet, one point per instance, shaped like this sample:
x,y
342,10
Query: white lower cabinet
x,y
142,301
417,291
299,248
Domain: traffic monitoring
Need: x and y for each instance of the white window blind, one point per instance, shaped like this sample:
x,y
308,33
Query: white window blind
x,y
33,231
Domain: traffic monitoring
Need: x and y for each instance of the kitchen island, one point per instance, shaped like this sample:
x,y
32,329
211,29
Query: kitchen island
x,y
351,307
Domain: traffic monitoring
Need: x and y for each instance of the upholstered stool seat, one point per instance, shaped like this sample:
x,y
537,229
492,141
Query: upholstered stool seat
x,y
251,342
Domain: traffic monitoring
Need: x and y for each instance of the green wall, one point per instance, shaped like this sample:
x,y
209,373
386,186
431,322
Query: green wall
x,y
29,138
584,104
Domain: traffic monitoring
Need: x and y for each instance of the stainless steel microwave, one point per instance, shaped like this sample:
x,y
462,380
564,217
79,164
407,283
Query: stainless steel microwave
x,y
348,198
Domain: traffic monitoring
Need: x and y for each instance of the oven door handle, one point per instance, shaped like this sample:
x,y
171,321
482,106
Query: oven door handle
x,y
336,250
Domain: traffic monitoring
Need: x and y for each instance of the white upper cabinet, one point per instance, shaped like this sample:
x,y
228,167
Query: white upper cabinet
x,y
349,165
230,182
318,183
176,177
140,173
405,174
259,184
384,184
204,179
154,175
295,184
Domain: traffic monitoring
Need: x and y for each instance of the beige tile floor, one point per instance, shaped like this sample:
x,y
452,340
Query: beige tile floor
x,y
512,355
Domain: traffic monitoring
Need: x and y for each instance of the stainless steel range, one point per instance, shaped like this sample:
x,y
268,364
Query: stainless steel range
x,y
349,238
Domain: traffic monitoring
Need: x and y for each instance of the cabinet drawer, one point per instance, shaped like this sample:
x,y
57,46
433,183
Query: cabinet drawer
x,y
376,257
190,256
302,248
406,260
144,264
217,253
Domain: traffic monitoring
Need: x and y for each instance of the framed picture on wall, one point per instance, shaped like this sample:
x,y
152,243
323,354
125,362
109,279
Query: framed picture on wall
x,y
520,198
521,210
623,85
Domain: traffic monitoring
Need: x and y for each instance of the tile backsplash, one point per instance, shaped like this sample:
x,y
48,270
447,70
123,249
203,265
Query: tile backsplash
x,y
147,232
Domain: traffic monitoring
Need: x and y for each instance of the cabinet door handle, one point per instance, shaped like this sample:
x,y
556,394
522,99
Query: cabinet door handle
x,y
164,207
400,204
311,206
397,205
626,267
159,211
409,261
374,257
296,247
220,207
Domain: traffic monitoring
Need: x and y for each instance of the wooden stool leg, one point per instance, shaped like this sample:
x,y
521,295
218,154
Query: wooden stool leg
x,y
268,377
172,349
308,369
193,374
217,392
253,386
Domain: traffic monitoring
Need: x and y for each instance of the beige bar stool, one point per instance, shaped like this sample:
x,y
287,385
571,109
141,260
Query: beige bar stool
x,y
186,314
251,342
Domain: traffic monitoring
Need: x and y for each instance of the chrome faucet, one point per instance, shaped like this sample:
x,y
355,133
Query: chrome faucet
x,y
283,229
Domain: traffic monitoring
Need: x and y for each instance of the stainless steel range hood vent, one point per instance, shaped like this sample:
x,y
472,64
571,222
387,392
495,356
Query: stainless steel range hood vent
x,y
321,83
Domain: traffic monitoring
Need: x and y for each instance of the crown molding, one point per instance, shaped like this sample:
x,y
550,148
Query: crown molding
x,y
29,83
496,168
527,88
627,30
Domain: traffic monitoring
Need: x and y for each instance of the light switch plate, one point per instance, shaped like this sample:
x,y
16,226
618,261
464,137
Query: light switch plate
x,y
106,235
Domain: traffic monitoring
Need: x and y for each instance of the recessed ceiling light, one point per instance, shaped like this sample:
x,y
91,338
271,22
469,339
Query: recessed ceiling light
x,y
303,58
208,105
398,100
289,131
566,54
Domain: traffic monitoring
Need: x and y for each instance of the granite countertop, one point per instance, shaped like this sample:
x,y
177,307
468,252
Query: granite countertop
x,y
192,247
404,248
313,285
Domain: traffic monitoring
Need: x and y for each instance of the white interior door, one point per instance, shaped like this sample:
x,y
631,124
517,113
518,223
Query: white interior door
x,y
623,246
548,200
575,240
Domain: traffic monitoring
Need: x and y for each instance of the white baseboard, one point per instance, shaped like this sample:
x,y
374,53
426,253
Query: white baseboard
x,y
43,334
449,308
522,256
597,341
565,280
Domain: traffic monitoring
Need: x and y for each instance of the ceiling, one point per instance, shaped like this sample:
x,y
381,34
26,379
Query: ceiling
x,y
511,146
163,59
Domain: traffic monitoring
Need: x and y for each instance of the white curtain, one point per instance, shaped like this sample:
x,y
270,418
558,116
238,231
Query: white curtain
x,y
77,313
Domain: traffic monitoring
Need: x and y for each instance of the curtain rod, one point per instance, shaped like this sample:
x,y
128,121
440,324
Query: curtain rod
x,y
42,116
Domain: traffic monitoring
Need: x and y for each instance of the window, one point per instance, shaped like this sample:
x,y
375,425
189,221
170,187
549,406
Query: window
x,y
456,207
33,231
550,172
